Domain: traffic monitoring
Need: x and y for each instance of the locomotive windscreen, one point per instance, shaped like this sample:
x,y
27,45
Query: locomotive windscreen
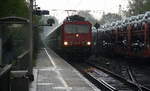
x,y
77,28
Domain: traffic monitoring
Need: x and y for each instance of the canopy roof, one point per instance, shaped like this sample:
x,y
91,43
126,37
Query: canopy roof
x,y
13,19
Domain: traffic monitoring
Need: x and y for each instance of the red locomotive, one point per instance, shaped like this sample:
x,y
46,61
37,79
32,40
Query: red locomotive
x,y
73,37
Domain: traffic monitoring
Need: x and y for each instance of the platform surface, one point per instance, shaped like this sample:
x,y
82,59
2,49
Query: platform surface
x,y
52,73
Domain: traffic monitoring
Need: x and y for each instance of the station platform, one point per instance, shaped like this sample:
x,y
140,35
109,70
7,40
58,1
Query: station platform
x,y
52,73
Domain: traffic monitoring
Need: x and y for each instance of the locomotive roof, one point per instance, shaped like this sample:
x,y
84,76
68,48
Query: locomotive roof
x,y
75,18
76,22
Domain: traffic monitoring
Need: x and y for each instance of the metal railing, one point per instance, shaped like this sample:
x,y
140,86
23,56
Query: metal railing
x,y
22,61
22,64
5,78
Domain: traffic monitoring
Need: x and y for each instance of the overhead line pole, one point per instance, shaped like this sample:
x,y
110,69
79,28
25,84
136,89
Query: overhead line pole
x,y
30,68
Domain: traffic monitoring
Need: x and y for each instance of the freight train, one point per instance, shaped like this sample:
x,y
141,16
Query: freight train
x,y
128,37
72,37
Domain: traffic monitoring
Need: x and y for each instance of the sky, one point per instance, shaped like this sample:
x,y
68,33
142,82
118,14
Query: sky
x,y
96,6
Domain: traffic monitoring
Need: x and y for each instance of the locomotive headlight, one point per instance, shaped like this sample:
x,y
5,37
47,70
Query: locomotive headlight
x,y
77,35
88,43
65,43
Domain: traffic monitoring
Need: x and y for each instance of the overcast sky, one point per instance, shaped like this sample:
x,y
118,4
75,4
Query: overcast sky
x,y
102,5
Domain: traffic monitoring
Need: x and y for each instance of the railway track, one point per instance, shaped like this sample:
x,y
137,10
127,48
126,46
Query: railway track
x,y
118,82
137,72
107,80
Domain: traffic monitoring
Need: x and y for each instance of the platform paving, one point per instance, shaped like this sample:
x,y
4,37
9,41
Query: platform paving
x,y
52,73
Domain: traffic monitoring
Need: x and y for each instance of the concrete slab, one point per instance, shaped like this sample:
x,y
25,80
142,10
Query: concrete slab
x,y
52,73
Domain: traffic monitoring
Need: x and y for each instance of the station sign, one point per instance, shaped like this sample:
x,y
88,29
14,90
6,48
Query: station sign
x,y
40,12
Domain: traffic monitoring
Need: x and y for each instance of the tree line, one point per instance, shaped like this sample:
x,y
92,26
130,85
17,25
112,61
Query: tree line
x,y
138,7
135,7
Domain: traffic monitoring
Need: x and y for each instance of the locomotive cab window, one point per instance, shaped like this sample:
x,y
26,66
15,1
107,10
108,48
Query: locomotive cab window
x,y
76,28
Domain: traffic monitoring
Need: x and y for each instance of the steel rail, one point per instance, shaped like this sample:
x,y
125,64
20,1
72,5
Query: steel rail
x,y
133,79
100,83
128,82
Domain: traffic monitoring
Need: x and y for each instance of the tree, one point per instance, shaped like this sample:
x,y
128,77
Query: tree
x,y
88,16
13,8
138,7
110,17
